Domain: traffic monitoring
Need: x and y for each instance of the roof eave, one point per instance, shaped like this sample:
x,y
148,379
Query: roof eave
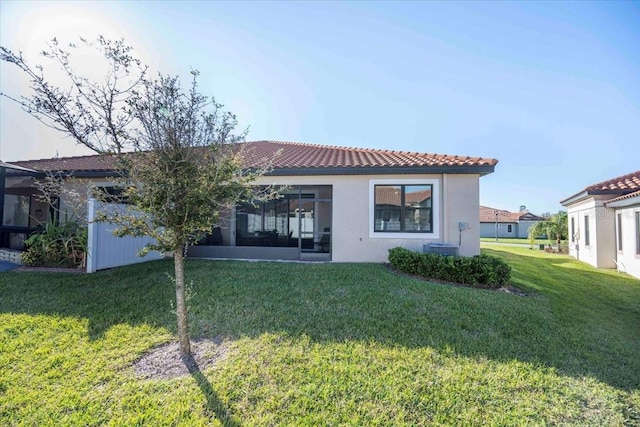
x,y
624,202
322,171
383,170
585,194
16,168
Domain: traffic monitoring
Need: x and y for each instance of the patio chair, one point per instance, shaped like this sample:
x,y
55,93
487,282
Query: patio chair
x,y
325,240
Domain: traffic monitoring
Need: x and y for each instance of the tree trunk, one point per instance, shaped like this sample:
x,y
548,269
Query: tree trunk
x,y
181,303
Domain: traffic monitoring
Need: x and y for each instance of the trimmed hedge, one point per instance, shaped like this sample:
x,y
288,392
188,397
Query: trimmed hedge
x,y
480,270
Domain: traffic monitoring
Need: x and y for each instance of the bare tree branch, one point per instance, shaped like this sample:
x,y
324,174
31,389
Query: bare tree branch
x,y
92,113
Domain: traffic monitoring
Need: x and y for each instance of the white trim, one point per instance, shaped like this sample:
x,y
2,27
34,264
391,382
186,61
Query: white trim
x,y
92,244
435,208
445,205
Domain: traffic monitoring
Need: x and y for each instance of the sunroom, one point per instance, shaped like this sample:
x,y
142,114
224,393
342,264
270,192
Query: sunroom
x,y
294,226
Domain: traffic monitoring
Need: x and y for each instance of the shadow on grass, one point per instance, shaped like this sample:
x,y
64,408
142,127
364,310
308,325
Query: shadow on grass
x,y
583,323
215,407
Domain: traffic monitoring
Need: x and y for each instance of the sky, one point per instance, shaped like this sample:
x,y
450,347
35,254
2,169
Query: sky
x,y
550,89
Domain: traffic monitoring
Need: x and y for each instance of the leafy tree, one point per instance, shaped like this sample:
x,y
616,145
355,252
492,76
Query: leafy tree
x,y
555,226
186,171
186,166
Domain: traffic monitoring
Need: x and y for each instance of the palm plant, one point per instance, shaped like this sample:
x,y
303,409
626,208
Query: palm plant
x,y
553,227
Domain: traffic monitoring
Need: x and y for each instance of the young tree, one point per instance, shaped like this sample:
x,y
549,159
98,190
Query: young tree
x,y
186,166
90,110
186,171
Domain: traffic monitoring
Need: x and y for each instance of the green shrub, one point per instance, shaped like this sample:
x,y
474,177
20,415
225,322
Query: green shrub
x,y
57,245
479,270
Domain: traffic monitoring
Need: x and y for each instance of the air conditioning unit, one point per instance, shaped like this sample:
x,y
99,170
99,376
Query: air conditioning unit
x,y
440,249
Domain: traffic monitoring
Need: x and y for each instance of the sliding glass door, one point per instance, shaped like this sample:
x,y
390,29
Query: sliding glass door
x,y
300,218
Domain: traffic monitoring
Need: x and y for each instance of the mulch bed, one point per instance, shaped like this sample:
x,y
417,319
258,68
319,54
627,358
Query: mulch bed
x,y
163,362
508,289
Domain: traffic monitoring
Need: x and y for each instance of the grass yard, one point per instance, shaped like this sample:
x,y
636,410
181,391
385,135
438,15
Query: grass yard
x,y
325,344
521,241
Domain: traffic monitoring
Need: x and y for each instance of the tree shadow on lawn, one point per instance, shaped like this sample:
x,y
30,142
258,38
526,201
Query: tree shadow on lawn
x,y
341,302
215,407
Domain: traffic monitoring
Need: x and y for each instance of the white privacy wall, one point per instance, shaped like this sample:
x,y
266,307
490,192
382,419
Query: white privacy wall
x,y
104,250
628,260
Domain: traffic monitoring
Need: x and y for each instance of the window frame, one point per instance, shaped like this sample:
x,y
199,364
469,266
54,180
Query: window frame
x,y
573,229
637,221
586,237
435,209
619,231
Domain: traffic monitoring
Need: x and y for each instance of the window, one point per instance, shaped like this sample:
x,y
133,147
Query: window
x,y
16,210
586,230
573,230
619,230
403,208
509,228
637,233
111,194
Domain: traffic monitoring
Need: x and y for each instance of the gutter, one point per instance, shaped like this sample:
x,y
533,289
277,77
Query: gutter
x,y
623,203
587,193
377,170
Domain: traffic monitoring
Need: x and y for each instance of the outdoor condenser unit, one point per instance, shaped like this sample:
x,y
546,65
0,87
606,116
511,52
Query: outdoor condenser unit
x,y
440,248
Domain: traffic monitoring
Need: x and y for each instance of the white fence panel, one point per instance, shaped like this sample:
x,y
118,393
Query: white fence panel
x,y
104,250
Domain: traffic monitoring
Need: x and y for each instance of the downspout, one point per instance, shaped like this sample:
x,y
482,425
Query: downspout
x,y
445,208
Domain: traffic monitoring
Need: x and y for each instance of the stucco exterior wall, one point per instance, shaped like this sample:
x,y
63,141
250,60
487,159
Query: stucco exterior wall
x,y
455,208
457,198
461,197
523,228
601,250
488,229
628,260
519,229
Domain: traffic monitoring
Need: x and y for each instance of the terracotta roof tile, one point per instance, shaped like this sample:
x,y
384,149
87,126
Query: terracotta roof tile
x,y
616,187
630,181
302,155
291,155
488,214
624,197
67,164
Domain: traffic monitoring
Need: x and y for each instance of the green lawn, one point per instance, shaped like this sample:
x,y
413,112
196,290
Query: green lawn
x,y
520,241
325,344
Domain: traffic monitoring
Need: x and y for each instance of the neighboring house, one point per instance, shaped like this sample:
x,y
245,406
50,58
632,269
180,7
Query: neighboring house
x,y
342,204
604,224
506,224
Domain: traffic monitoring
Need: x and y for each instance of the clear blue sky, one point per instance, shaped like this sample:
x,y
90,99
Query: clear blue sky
x,y
550,89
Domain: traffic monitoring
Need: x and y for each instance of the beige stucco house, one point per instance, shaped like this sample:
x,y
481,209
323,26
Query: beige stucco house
x,y
604,224
341,204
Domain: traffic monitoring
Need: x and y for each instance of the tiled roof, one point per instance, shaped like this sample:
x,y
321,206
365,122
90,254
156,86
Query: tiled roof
x,y
630,182
624,197
79,163
488,214
301,155
291,155
616,186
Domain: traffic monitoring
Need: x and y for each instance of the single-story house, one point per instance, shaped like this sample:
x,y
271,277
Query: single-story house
x,y
502,223
342,204
604,224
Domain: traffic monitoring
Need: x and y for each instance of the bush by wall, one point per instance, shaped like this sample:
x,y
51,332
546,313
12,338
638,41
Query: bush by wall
x,y
57,245
480,270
